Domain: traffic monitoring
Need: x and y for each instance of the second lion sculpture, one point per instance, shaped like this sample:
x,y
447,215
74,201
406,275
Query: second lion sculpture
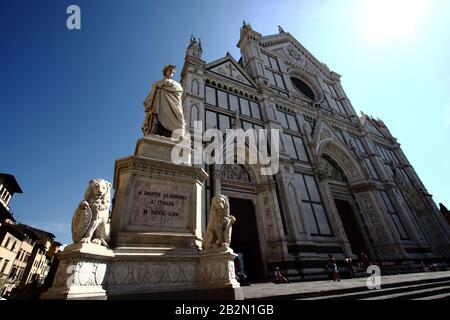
x,y
90,222
218,232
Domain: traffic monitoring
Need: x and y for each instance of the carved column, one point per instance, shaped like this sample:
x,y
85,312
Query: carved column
x,y
386,244
216,179
276,247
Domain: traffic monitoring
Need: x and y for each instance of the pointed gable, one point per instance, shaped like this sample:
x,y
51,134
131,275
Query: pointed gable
x,y
228,67
373,128
287,47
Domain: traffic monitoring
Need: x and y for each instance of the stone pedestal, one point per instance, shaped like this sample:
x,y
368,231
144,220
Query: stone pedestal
x,y
156,221
156,236
157,203
82,273
216,275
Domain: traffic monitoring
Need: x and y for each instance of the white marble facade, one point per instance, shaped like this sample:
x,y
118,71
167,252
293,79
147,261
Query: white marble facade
x,y
344,183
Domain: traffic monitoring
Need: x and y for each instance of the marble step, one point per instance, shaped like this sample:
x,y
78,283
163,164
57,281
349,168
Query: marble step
x,y
346,289
380,292
441,296
412,294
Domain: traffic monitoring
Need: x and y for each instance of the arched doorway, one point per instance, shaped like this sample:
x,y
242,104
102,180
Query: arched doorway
x,y
245,238
351,227
338,183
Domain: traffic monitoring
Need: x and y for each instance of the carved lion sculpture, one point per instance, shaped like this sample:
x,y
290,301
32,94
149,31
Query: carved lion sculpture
x,y
218,232
90,222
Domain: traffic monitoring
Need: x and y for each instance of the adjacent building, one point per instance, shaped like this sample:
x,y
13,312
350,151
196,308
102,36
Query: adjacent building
x,y
344,185
41,256
8,187
9,240
26,253
18,246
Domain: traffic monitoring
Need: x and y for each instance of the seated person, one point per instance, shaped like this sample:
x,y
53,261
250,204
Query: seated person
x,y
279,278
424,267
241,277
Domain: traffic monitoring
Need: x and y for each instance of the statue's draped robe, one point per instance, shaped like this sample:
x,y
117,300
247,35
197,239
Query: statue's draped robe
x,y
164,101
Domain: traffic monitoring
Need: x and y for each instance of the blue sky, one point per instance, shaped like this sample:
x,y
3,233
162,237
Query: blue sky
x,y
71,101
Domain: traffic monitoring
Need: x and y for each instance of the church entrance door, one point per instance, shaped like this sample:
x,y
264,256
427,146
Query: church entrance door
x,y
351,227
244,238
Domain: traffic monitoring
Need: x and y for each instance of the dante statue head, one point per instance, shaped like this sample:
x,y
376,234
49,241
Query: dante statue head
x,y
169,70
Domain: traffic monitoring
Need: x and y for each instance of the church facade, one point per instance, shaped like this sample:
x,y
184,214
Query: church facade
x,y
344,185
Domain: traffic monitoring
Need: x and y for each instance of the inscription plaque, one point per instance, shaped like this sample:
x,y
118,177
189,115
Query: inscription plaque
x,y
161,204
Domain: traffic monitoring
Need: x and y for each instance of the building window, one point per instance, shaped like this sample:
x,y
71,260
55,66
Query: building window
x,y
386,154
293,143
8,198
234,103
222,100
194,115
273,72
4,192
371,169
13,272
275,79
389,158
254,108
333,98
210,120
367,162
312,206
295,147
389,170
404,174
245,107
217,121
5,264
7,242
224,122
288,121
303,88
357,143
396,221
311,123
231,102
195,87
210,95
270,62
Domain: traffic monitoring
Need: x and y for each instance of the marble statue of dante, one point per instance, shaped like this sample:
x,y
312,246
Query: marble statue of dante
x,y
163,108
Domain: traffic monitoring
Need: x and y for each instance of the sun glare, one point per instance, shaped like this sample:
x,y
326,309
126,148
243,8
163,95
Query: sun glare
x,y
390,20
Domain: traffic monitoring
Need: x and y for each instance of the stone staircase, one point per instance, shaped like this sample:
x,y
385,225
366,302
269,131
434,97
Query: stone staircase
x,y
425,290
417,286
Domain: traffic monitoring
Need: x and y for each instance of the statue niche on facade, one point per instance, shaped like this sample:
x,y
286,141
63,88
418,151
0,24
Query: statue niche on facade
x,y
218,232
90,222
163,107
